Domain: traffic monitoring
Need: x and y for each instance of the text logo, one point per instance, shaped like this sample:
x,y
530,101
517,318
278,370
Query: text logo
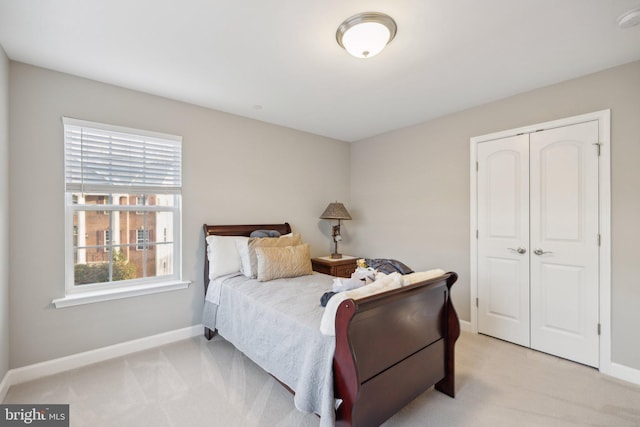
x,y
34,415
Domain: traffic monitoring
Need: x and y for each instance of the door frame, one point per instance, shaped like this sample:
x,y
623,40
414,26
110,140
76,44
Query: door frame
x,y
604,219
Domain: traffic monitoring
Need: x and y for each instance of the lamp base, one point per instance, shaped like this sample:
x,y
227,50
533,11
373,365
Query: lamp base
x,y
335,256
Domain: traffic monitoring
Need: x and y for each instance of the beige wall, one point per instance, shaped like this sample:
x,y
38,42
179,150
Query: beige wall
x,y
410,188
4,213
236,170
409,196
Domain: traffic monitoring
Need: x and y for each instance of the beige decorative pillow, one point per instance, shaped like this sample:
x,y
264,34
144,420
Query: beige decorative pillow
x,y
281,262
250,269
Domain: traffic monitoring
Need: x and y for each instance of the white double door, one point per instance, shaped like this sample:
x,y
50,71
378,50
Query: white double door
x,y
538,241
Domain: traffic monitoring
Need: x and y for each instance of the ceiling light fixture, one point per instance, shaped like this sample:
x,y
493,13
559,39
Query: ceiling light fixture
x,y
365,35
629,19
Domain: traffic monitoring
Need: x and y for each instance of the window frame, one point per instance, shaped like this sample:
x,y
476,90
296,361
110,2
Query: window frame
x,y
86,293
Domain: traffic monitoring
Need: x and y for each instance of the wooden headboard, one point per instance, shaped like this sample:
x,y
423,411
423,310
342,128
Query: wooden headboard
x,y
235,230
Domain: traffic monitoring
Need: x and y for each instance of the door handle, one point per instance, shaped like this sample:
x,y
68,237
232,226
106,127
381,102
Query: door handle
x,y
520,250
539,251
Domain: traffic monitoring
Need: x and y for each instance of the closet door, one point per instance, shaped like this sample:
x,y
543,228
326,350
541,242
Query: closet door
x,y
564,242
503,238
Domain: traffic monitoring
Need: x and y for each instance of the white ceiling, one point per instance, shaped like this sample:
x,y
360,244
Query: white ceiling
x,y
278,61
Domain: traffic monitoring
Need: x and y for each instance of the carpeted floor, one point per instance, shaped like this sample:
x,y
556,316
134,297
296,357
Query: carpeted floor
x,y
196,383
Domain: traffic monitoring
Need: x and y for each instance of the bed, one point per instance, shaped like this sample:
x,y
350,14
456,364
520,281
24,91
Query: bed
x,y
401,340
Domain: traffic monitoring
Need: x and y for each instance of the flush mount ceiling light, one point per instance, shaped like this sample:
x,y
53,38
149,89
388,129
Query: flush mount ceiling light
x,y
365,35
629,19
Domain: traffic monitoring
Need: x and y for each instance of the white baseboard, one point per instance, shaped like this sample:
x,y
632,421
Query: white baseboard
x,y
51,367
622,372
465,326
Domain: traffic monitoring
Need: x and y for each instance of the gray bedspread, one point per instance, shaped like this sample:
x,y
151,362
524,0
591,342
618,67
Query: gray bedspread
x,y
277,325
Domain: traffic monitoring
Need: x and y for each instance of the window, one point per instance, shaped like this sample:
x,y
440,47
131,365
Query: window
x,y
141,238
121,186
107,240
140,201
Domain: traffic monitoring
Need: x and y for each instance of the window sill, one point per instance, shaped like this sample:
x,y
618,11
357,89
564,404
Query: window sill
x,y
111,294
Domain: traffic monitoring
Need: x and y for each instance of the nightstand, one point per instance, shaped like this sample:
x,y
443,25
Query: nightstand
x,y
342,267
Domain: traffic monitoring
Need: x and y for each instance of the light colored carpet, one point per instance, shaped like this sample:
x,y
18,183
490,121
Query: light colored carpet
x,y
196,383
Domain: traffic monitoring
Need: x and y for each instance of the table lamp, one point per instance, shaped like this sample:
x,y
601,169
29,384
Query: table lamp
x,y
337,211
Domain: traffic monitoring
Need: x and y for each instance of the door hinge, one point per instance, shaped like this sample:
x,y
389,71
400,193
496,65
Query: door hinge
x,y
598,144
477,301
599,240
477,166
477,234
599,329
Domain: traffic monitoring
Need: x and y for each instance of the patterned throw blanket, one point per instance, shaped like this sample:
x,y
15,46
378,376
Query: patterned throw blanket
x,y
388,266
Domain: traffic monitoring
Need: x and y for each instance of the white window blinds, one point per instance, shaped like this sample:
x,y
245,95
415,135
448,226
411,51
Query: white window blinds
x,y
100,157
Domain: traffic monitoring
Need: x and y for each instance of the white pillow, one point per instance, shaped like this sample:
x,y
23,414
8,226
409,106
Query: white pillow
x,y
242,246
420,276
223,255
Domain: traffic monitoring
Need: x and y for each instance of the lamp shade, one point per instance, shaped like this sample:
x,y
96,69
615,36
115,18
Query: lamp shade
x,y
335,210
365,35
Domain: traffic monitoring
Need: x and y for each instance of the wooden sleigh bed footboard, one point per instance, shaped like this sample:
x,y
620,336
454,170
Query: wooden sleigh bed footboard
x,y
391,347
